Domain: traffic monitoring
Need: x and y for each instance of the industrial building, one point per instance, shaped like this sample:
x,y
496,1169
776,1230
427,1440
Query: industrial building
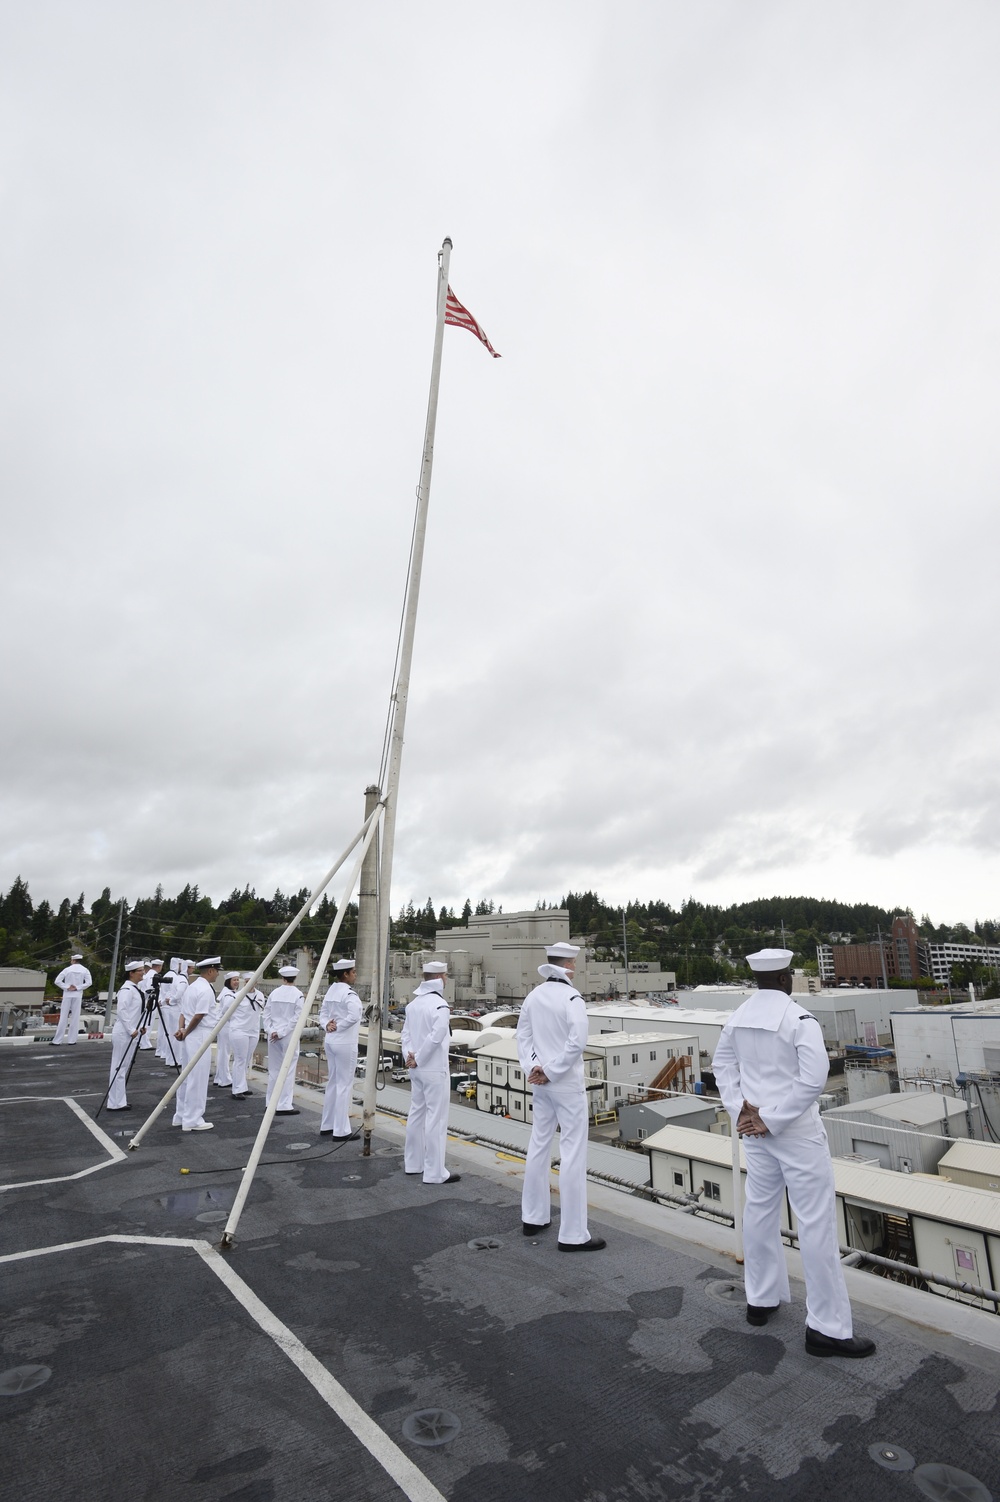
x,y
495,958
909,1133
950,1229
639,1119
941,1043
20,990
502,1086
619,1017
636,1062
975,1163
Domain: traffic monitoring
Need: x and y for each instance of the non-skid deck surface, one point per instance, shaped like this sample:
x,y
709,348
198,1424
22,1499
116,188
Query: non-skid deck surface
x,y
630,1374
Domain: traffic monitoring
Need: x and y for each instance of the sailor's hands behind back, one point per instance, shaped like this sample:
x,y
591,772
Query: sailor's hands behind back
x,y
748,1123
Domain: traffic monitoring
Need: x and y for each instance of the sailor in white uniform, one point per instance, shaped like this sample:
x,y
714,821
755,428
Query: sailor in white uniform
x,y
425,1038
72,982
281,1012
173,988
223,1049
155,969
125,1033
244,1033
340,1016
551,1037
199,1014
771,1067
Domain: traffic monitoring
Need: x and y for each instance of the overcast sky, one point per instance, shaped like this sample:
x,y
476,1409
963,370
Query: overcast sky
x,y
710,597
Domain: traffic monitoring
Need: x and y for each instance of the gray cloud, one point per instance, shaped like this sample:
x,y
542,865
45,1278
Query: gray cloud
x,y
709,594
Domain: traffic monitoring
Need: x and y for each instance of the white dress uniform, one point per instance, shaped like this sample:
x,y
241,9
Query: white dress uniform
x,y
772,1054
146,1040
72,982
552,1034
281,1012
192,1097
223,1048
426,1035
129,1015
244,1031
171,993
342,1005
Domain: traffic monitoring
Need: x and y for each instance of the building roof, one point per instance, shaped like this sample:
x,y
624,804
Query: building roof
x,y
915,1107
667,1014
622,1040
972,1157
880,1188
675,1106
506,1048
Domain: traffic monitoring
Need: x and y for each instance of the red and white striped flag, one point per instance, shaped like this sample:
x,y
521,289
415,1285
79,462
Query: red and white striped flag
x,y
463,319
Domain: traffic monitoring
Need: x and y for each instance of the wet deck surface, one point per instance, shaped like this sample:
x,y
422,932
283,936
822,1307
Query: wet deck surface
x,y
626,1375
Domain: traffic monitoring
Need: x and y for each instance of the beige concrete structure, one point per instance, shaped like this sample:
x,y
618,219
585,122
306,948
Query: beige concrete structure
x,y
973,1163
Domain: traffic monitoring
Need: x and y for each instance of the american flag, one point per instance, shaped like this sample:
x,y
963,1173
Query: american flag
x,y
463,319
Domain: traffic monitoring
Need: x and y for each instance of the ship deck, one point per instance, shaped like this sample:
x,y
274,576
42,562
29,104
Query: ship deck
x,y
371,1337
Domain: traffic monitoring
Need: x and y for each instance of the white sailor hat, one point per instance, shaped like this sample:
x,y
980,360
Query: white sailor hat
x,y
176,963
435,967
345,965
214,962
231,975
131,965
156,962
562,951
76,956
770,959
289,971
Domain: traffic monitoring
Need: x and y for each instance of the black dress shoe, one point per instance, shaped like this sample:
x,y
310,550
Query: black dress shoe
x,y
595,1244
342,1136
854,1347
527,1230
118,1108
413,1173
327,1134
757,1313
244,1096
291,1111
453,1178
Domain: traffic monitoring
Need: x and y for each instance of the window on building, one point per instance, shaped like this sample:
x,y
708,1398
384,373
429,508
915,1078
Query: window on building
x,y
616,1058
641,1132
652,1054
517,1074
635,1058
709,1190
618,1091
678,1179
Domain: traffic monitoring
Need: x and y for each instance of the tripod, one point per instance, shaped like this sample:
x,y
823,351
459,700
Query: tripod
x,y
150,1004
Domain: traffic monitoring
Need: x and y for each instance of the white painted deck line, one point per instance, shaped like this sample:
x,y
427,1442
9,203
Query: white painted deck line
x,y
115,1154
411,1481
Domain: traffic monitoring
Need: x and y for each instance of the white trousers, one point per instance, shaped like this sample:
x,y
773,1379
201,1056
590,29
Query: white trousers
x,y
427,1126
192,1097
242,1045
122,1044
804,1166
275,1054
341,1062
69,1017
223,1049
566,1108
165,1039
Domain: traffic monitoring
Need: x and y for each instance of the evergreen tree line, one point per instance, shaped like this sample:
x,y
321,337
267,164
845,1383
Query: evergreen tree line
x,y
702,943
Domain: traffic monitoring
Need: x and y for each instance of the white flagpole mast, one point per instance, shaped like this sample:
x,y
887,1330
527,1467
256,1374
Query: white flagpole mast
x,y
400,695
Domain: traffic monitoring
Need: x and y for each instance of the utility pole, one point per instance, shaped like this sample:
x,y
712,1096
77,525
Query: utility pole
x,y
114,967
881,950
625,948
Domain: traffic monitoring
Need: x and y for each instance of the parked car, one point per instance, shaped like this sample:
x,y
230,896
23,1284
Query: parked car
x,y
400,1076
459,1081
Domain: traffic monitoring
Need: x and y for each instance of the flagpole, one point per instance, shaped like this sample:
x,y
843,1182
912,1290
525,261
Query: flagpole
x,y
400,696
